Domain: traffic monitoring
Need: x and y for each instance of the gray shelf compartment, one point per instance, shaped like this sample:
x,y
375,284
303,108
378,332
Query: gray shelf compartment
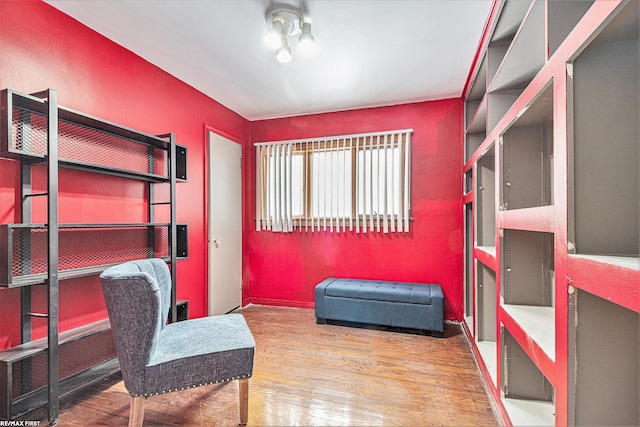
x,y
84,142
522,58
468,181
527,284
496,51
486,295
563,16
472,141
468,265
486,322
485,196
477,122
476,131
526,54
24,247
527,156
512,14
23,368
498,103
476,93
528,396
604,342
527,275
604,153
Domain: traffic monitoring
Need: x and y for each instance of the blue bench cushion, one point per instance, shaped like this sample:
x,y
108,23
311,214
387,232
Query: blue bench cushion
x,y
411,293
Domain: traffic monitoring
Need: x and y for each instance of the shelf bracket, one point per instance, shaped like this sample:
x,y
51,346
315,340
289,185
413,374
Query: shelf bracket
x,y
26,196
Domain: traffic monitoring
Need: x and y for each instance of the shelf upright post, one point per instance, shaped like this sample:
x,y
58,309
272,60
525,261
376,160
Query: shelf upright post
x,y
151,202
52,252
173,247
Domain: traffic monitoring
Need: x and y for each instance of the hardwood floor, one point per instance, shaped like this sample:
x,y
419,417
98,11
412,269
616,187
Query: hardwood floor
x,y
307,374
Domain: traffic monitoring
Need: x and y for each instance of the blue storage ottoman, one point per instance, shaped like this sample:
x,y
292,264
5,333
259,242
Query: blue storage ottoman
x,y
394,304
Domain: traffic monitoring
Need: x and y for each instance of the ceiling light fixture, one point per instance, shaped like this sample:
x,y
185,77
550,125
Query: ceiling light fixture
x,y
286,21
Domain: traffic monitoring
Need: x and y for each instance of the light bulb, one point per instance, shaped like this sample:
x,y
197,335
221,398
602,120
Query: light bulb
x,y
273,38
305,42
284,53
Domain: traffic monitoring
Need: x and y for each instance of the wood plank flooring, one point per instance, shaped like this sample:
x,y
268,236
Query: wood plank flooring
x,y
316,375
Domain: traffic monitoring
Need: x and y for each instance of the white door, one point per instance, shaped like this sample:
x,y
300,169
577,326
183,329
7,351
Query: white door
x,y
225,225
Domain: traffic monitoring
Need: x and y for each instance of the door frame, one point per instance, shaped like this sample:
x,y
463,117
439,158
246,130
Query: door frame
x,y
207,207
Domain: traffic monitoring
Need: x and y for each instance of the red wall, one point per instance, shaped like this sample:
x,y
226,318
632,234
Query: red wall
x,y
42,48
282,269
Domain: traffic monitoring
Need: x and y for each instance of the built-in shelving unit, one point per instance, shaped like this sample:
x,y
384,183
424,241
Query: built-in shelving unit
x,y
604,225
552,219
37,132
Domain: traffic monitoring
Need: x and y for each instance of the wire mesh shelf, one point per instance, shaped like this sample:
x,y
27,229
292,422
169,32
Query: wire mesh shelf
x,y
83,249
84,142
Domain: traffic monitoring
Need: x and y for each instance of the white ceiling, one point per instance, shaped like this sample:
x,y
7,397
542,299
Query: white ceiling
x,y
368,53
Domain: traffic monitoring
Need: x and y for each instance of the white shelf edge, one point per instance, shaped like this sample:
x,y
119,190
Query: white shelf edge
x,y
538,323
488,352
619,261
491,250
530,412
469,321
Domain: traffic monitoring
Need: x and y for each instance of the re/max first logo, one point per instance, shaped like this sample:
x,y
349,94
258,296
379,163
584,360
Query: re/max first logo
x,y
19,423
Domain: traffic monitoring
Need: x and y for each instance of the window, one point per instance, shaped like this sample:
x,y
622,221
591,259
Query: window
x,y
352,182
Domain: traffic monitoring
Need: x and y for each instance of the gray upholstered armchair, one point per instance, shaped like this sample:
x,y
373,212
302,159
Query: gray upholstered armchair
x,y
156,357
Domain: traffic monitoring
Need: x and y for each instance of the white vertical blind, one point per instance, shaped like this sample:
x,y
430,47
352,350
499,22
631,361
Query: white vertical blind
x,y
402,149
355,182
393,199
407,182
369,162
259,189
358,169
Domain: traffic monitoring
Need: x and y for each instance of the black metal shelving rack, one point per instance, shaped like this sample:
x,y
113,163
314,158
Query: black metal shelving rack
x,y
35,129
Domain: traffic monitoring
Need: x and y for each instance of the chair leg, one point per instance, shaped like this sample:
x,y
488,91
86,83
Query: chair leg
x,y
243,394
136,411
